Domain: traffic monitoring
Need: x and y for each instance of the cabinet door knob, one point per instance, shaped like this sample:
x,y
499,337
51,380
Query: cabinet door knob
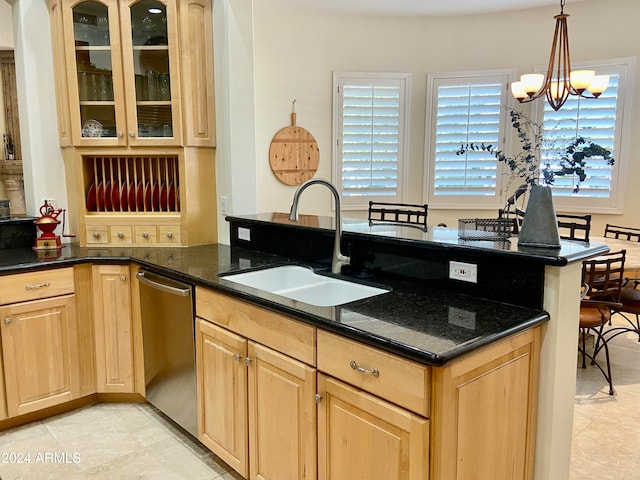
x,y
96,235
247,361
7,320
120,133
237,357
131,134
169,235
145,235
318,397
120,235
375,372
123,278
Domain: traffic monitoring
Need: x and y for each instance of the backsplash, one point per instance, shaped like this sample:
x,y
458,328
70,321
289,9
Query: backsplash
x,y
514,279
17,232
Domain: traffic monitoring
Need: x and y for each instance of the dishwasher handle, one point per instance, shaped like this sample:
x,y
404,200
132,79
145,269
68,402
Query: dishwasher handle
x,y
182,292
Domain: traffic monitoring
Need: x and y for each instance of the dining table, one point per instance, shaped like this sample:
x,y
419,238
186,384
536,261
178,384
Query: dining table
x,y
632,256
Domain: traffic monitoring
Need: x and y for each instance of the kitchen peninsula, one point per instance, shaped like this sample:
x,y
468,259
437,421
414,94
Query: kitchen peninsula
x,y
426,320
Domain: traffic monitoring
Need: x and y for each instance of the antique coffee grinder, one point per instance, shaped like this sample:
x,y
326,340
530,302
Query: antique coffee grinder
x,y
47,224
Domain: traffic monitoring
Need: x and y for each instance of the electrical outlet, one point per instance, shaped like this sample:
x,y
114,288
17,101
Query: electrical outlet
x,y
244,234
466,272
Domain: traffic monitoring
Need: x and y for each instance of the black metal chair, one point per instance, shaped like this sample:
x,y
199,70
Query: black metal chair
x,y
574,227
398,213
602,278
623,233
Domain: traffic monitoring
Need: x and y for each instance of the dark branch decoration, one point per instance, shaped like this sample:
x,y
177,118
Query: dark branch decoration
x,y
525,164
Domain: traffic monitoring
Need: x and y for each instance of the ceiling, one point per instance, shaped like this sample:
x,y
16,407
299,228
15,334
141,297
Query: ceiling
x,y
421,7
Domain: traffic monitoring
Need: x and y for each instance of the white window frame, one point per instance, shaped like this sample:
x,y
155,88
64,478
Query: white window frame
x,y
339,79
625,68
467,202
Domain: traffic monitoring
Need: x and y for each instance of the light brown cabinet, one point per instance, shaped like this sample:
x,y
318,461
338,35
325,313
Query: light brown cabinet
x,y
378,415
113,326
39,340
240,383
136,115
363,436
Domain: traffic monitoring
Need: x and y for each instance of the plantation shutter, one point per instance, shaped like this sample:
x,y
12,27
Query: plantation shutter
x,y
595,121
370,146
466,110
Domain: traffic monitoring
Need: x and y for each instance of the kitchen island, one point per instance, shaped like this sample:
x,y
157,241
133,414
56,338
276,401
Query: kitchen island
x,y
424,318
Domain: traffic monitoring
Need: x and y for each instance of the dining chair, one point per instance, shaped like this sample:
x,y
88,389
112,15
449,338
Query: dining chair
x,y
602,279
399,213
574,227
629,305
623,233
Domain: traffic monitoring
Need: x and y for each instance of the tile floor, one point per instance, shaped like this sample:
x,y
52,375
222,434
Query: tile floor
x,y
133,441
606,429
114,441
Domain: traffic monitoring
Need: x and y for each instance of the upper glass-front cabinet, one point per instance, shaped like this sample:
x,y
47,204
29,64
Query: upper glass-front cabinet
x,y
126,72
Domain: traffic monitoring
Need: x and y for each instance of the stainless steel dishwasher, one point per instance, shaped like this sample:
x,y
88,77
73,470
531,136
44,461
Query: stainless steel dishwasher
x,y
169,347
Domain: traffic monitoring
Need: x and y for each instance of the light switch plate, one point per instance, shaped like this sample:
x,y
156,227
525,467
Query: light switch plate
x,y
244,234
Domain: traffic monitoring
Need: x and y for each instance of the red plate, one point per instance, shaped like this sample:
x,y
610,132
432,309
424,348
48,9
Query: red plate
x,y
115,197
91,198
139,202
107,196
163,197
155,196
124,197
100,197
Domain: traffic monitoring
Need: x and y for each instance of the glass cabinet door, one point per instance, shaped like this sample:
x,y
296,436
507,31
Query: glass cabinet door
x,y
94,69
151,30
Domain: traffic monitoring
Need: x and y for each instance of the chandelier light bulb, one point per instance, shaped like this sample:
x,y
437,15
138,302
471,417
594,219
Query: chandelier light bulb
x,y
532,82
598,85
581,79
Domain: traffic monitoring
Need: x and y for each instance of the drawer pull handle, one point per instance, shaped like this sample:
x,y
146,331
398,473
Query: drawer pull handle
x,y
169,235
120,235
37,285
96,235
145,235
357,367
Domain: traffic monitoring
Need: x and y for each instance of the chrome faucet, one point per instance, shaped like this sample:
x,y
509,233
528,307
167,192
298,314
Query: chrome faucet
x,y
338,258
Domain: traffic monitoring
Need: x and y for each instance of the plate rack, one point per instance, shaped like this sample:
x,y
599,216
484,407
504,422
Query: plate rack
x,y
132,184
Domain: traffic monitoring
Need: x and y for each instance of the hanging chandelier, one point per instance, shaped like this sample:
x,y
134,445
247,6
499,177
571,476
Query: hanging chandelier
x,y
560,81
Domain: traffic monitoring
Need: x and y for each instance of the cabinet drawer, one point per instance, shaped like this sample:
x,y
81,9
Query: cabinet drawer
x,y
169,234
388,376
97,234
23,287
146,234
291,337
121,234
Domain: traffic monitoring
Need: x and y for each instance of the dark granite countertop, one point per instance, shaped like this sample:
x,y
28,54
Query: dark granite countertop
x,y
415,320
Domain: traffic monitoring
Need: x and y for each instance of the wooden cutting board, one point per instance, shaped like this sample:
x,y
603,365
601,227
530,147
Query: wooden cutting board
x,y
294,154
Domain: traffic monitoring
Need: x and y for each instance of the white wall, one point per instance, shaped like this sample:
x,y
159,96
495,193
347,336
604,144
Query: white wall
x,y
296,51
6,26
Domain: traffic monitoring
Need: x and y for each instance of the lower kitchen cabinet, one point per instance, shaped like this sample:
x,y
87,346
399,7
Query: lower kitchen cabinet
x,y
256,406
363,436
222,394
113,328
39,349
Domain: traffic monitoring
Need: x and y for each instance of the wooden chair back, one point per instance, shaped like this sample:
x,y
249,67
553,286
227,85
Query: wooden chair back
x,y
574,227
604,276
399,213
623,233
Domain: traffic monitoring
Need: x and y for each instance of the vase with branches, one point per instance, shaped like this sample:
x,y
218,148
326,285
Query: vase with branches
x,y
526,165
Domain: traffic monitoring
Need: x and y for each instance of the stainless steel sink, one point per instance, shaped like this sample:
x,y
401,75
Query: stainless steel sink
x,y
303,284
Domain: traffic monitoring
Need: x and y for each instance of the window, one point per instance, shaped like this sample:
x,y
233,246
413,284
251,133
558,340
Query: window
x,y
600,120
464,108
370,126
